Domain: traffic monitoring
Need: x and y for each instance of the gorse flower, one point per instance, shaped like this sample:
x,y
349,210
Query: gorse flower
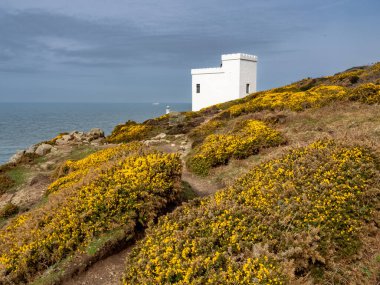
x,y
77,170
130,131
218,149
302,211
131,186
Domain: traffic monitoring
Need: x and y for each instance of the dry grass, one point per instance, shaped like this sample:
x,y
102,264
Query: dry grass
x,y
350,122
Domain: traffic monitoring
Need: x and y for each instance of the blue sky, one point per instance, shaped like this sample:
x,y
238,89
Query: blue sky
x,y
142,51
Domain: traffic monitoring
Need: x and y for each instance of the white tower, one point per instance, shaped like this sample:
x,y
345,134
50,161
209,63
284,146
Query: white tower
x,y
235,78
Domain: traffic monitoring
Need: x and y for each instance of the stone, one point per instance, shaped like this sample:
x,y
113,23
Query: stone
x,y
54,150
72,133
78,136
17,156
151,142
66,138
47,166
38,179
95,133
97,142
43,149
31,149
159,136
60,142
179,136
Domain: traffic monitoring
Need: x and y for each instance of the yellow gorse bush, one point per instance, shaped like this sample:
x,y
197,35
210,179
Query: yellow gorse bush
x,y
366,93
77,170
206,128
130,191
289,99
130,131
309,93
218,149
300,213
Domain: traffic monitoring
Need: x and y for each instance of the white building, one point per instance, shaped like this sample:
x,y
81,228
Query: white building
x,y
235,78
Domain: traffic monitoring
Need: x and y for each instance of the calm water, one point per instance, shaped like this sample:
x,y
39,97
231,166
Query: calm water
x,y
24,124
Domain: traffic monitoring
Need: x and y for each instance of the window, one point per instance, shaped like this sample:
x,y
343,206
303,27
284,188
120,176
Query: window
x,y
198,88
247,88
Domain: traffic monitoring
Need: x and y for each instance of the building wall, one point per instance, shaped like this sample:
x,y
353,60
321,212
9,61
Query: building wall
x,y
222,84
248,75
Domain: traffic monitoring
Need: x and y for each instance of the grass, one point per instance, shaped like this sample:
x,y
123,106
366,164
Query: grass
x,y
99,243
19,174
40,159
81,152
349,122
187,192
54,274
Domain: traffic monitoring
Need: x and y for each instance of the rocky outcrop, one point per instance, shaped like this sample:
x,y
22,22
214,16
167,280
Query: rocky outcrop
x,y
95,133
17,156
94,137
43,149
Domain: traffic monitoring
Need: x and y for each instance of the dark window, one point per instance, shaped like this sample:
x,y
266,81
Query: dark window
x,y
247,88
198,88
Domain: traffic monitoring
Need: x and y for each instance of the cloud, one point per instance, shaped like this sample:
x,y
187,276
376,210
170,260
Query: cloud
x,y
35,36
162,40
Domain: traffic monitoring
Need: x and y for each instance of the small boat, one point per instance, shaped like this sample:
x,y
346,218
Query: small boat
x,y
156,103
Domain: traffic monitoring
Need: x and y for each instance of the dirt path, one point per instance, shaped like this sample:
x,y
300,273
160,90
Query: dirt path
x,y
202,186
108,271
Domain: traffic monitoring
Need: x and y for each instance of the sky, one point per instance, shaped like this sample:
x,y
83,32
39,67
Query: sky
x,y
142,50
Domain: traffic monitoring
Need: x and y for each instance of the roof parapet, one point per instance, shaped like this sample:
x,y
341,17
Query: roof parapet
x,y
234,56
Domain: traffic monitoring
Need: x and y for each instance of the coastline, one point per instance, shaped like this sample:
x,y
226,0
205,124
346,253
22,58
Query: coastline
x,y
31,123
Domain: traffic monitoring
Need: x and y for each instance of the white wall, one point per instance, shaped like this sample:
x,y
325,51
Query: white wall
x,y
222,84
248,75
211,89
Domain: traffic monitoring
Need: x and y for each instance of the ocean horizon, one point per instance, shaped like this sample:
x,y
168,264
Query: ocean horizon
x,y
25,124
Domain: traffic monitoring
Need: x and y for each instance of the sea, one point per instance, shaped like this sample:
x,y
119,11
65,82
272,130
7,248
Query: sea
x,y
25,124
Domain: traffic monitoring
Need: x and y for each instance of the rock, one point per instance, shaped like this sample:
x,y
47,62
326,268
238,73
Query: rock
x,y
54,150
95,134
31,149
78,136
72,133
17,156
47,166
179,136
66,138
183,143
43,149
97,142
60,142
151,142
159,136
38,179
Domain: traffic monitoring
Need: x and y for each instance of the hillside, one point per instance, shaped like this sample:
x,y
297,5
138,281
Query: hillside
x,y
288,186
